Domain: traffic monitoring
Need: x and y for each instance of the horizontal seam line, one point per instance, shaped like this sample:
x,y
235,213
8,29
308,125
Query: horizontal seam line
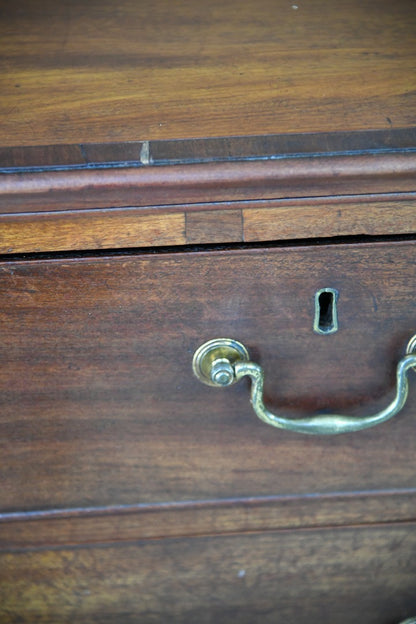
x,y
311,201
232,533
23,516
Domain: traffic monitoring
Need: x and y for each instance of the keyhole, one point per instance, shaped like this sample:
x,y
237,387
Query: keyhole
x,y
326,317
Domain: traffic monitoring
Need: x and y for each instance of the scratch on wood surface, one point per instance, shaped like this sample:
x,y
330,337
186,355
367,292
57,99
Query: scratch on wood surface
x,y
145,153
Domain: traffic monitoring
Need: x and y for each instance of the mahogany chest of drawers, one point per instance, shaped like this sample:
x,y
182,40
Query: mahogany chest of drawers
x,y
174,174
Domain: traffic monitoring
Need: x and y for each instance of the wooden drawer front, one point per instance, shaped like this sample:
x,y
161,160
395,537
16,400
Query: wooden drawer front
x,y
343,576
100,406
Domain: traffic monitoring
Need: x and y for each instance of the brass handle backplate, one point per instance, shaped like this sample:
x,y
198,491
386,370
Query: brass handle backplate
x,y
223,361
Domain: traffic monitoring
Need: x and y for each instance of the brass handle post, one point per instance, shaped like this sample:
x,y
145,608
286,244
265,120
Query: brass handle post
x,y
223,361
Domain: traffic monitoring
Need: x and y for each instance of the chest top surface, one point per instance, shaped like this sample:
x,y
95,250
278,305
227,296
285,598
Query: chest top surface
x,y
100,72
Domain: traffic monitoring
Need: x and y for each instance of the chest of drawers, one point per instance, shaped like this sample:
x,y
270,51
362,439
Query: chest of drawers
x,y
130,235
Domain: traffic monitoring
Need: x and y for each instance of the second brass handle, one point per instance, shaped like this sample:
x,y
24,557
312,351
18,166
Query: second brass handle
x,y
223,361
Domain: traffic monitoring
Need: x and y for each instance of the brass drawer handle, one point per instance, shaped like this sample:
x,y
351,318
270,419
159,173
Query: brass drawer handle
x,y
223,361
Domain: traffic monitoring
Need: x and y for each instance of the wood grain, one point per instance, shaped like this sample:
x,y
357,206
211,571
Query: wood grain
x,y
91,73
99,405
340,218
126,523
274,146
187,151
208,182
93,229
130,492
220,223
214,226
309,577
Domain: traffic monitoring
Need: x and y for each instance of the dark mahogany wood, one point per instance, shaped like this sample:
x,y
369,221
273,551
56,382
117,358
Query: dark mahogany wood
x,y
78,73
129,491
208,182
221,222
346,576
51,528
188,151
100,406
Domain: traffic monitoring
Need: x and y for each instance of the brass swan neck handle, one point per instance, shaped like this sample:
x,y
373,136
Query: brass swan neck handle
x,y
224,361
